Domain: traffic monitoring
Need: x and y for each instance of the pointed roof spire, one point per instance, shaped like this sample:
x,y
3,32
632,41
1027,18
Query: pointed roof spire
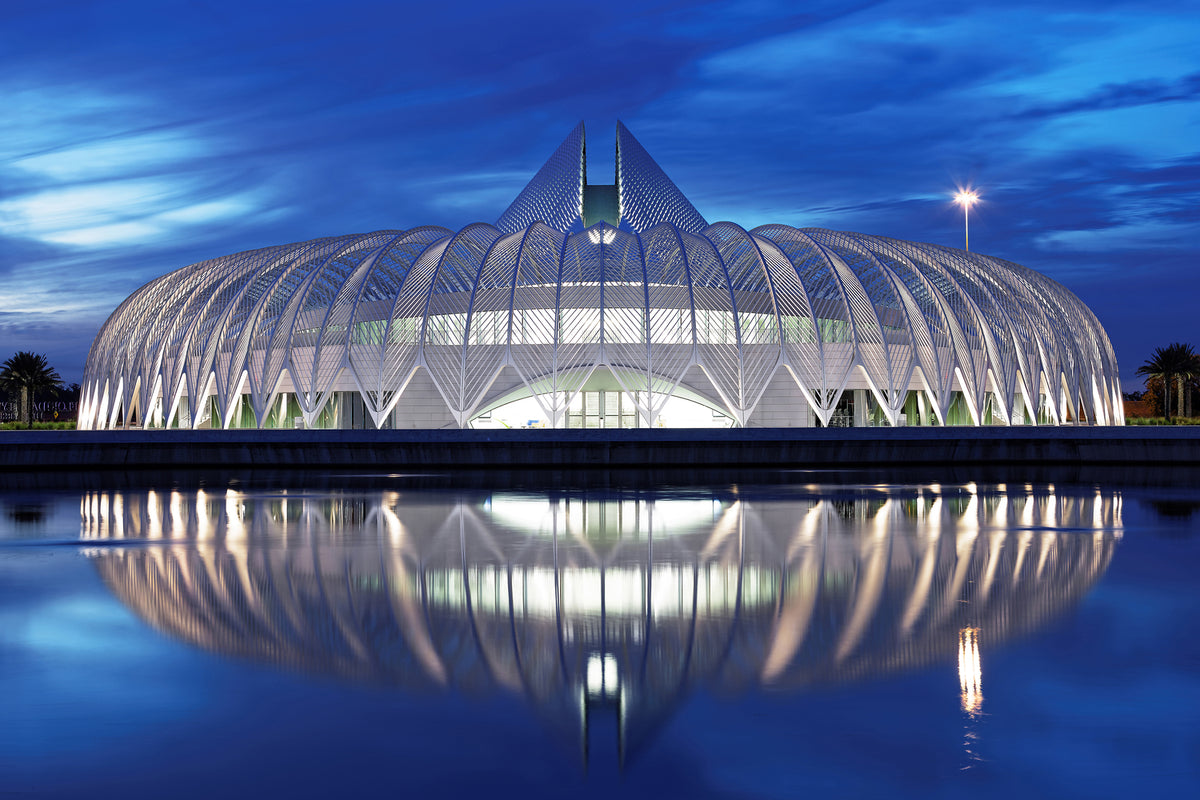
x,y
555,195
644,195
648,196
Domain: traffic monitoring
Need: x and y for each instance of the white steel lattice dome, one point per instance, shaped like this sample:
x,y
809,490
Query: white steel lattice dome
x,y
600,305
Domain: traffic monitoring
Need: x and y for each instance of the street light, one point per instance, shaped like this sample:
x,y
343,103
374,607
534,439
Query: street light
x,y
966,199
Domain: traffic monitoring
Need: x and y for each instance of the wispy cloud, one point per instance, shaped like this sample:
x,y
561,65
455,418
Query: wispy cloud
x,y
139,137
1123,95
137,153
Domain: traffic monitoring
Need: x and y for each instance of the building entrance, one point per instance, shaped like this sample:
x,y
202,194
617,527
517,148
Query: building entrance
x,y
604,409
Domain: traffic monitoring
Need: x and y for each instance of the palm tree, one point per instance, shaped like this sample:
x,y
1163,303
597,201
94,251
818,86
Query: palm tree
x,y
26,373
1188,370
1175,361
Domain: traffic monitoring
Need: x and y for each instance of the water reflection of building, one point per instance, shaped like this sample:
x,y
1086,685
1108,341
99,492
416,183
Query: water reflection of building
x,y
586,604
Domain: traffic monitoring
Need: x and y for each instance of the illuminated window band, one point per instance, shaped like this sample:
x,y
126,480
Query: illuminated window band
x,y
512,324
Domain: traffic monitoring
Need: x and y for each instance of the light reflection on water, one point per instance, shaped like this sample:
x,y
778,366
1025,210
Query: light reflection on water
x,y
600,606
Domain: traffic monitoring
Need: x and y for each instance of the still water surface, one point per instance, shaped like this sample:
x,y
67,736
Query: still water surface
x,y
752,642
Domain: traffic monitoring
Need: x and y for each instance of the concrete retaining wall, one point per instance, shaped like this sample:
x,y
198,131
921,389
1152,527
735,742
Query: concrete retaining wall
x,y
582,449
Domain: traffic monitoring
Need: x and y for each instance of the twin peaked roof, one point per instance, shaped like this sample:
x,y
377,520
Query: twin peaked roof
x,y
560,196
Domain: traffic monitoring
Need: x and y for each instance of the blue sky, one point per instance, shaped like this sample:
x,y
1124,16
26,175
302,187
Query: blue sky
x,y
139,137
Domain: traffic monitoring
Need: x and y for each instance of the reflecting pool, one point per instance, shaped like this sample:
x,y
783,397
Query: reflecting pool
x,y
869,639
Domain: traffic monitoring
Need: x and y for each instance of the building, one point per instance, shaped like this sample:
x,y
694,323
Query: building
x,y
589,306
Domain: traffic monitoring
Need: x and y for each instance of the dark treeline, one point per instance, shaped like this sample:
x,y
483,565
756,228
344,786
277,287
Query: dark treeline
x,y
32,391
1172,384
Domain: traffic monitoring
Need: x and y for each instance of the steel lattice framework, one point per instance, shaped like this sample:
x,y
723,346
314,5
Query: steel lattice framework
x,y
536,304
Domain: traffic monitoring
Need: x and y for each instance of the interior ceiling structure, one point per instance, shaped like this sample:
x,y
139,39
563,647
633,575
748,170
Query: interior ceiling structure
x,y
576,278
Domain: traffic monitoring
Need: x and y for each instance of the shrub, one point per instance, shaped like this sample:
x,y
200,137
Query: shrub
x,y
64,425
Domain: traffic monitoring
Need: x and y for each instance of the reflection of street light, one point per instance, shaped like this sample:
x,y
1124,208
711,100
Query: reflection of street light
x,y
970,676
966,199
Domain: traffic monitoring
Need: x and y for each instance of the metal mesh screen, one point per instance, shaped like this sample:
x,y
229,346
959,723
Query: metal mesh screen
x,y
555,195
647,195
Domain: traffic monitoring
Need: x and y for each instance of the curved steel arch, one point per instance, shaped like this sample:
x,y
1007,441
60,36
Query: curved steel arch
x,y
659,298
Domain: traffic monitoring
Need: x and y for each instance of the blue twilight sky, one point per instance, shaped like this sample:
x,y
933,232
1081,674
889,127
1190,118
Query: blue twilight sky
x,y
140,136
